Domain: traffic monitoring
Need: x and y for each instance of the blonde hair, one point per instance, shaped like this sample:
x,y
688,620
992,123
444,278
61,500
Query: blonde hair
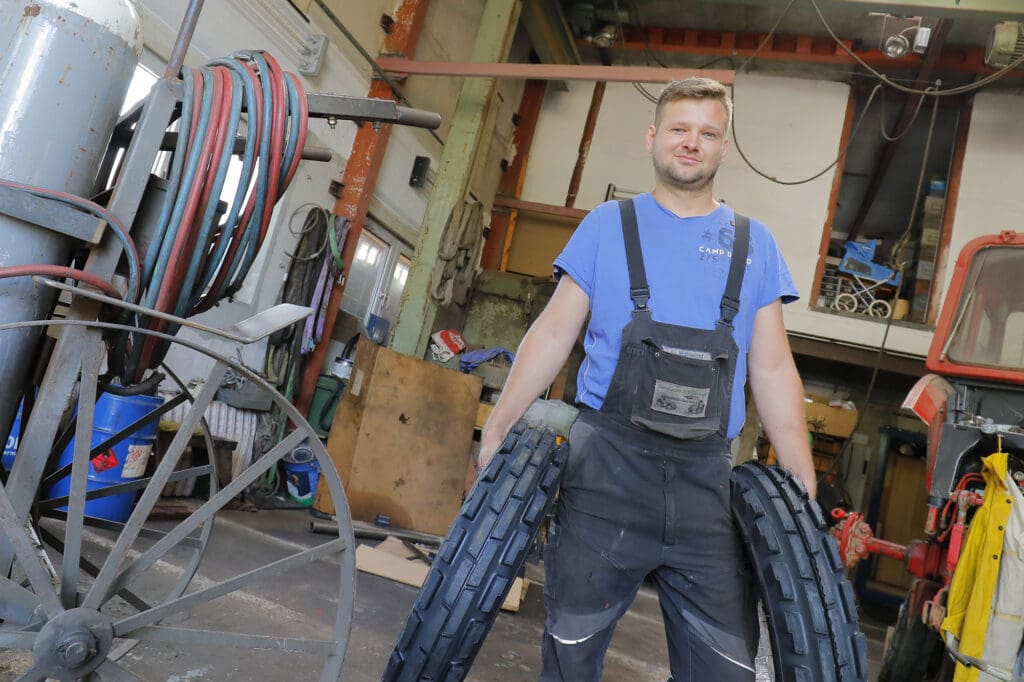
x,y
694,88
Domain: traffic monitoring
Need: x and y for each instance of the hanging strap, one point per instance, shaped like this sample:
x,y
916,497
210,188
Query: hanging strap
x,y
737,267
640,291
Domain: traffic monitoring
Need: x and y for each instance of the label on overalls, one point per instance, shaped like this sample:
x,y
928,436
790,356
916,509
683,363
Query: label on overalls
x,y
687,353
135,462
682,401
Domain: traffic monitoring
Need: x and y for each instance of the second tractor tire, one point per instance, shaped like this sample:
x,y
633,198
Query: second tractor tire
x,y
812,617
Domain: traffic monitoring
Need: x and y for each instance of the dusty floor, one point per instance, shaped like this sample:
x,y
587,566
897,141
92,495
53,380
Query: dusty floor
x,y
303,604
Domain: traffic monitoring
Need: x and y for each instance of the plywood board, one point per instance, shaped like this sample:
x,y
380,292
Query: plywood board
x,y
902,514
401,440
391,559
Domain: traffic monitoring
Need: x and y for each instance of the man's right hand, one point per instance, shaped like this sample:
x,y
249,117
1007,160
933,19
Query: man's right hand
x,y
489,444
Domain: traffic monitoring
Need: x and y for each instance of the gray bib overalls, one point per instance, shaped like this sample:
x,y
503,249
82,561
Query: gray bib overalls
x,y
646,493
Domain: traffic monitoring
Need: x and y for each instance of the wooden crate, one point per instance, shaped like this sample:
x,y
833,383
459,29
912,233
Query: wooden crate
x,y
401,440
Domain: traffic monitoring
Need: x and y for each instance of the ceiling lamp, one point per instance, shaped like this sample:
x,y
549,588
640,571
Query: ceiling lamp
x,y
605,37
902,35
896,46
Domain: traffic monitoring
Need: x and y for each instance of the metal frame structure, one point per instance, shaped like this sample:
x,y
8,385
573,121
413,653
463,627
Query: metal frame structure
x,y
60,613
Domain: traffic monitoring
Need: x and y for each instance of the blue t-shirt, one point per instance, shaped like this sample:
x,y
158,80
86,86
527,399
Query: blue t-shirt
x,y
687,263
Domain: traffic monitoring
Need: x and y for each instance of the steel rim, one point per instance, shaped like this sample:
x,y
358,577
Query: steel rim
x,y
64,626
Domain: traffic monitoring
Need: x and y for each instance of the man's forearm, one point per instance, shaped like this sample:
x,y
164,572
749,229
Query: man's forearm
x,y
539,358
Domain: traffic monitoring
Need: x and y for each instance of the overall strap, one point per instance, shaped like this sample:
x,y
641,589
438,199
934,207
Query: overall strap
x,y
639,291
740,247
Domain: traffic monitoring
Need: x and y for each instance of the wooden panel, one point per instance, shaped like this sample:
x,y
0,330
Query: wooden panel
x,y
401,440
536,242
901,516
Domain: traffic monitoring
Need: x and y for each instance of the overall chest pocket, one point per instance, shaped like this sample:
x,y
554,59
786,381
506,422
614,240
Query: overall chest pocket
x,y
680,392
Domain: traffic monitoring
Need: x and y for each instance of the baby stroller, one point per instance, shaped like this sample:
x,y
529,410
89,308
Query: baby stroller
x,y
861,279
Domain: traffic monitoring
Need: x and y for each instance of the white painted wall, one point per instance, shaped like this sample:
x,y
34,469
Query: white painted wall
x,y
990,197
789,128
228,25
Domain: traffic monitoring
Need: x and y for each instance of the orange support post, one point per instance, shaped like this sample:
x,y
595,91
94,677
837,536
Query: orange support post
x,y
359,180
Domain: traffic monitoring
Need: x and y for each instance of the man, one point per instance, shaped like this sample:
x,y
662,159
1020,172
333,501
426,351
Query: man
x,y
675,328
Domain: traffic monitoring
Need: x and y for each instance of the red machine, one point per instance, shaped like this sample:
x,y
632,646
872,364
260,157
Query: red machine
x,y
974,406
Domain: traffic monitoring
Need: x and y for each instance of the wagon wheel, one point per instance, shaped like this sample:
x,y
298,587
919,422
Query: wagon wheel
x,y
846,302
192,546
68,630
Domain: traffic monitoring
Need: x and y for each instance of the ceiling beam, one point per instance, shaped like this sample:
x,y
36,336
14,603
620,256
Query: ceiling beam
x,y
570,72
999,6
803,49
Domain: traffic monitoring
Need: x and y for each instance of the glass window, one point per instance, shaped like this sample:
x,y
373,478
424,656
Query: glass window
x,y
396,284
989,322
368,266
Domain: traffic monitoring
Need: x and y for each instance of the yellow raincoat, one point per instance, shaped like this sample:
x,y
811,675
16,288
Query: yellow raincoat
x,y
973,589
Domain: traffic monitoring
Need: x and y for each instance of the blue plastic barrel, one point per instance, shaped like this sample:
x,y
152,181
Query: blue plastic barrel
x,y
123,462
11,447
302,473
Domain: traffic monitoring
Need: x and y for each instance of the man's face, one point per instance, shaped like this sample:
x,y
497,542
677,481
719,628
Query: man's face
x,y
689,143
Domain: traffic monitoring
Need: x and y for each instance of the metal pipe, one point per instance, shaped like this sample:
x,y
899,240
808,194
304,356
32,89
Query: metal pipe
x,y
181,43
365,530
585,140
369,59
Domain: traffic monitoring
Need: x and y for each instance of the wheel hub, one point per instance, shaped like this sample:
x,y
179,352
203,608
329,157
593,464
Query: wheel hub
x,y
73,644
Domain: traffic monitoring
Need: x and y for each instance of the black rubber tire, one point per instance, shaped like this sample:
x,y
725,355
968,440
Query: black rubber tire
x,y
479,559
812,617
914,653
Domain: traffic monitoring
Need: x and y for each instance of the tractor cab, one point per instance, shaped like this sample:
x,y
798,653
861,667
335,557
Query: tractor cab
x,y
974,402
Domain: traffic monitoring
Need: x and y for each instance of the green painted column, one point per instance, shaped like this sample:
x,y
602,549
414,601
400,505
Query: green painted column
x,y
416,311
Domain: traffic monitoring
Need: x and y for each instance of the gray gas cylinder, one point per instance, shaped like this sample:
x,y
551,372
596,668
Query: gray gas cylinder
x,y
65,67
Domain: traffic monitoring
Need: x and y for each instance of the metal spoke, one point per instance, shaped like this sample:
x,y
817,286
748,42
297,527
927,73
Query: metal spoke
x,y
118,437
109,670
13,593
91,357
117,527
198,517
100,588
24,552
127,486
33,674
162,633
126,626
93,570
17,640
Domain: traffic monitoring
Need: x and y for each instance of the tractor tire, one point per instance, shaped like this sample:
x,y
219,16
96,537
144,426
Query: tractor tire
x,y
479,559
812,617
914,653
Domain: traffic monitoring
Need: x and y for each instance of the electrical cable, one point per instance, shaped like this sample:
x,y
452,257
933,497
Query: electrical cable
x,y
960,90
899,267
839,157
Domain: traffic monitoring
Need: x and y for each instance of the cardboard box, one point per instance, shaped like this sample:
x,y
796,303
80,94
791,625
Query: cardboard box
x,y
831,421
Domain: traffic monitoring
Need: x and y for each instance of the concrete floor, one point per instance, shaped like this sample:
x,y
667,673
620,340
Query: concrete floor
x,y
302,604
